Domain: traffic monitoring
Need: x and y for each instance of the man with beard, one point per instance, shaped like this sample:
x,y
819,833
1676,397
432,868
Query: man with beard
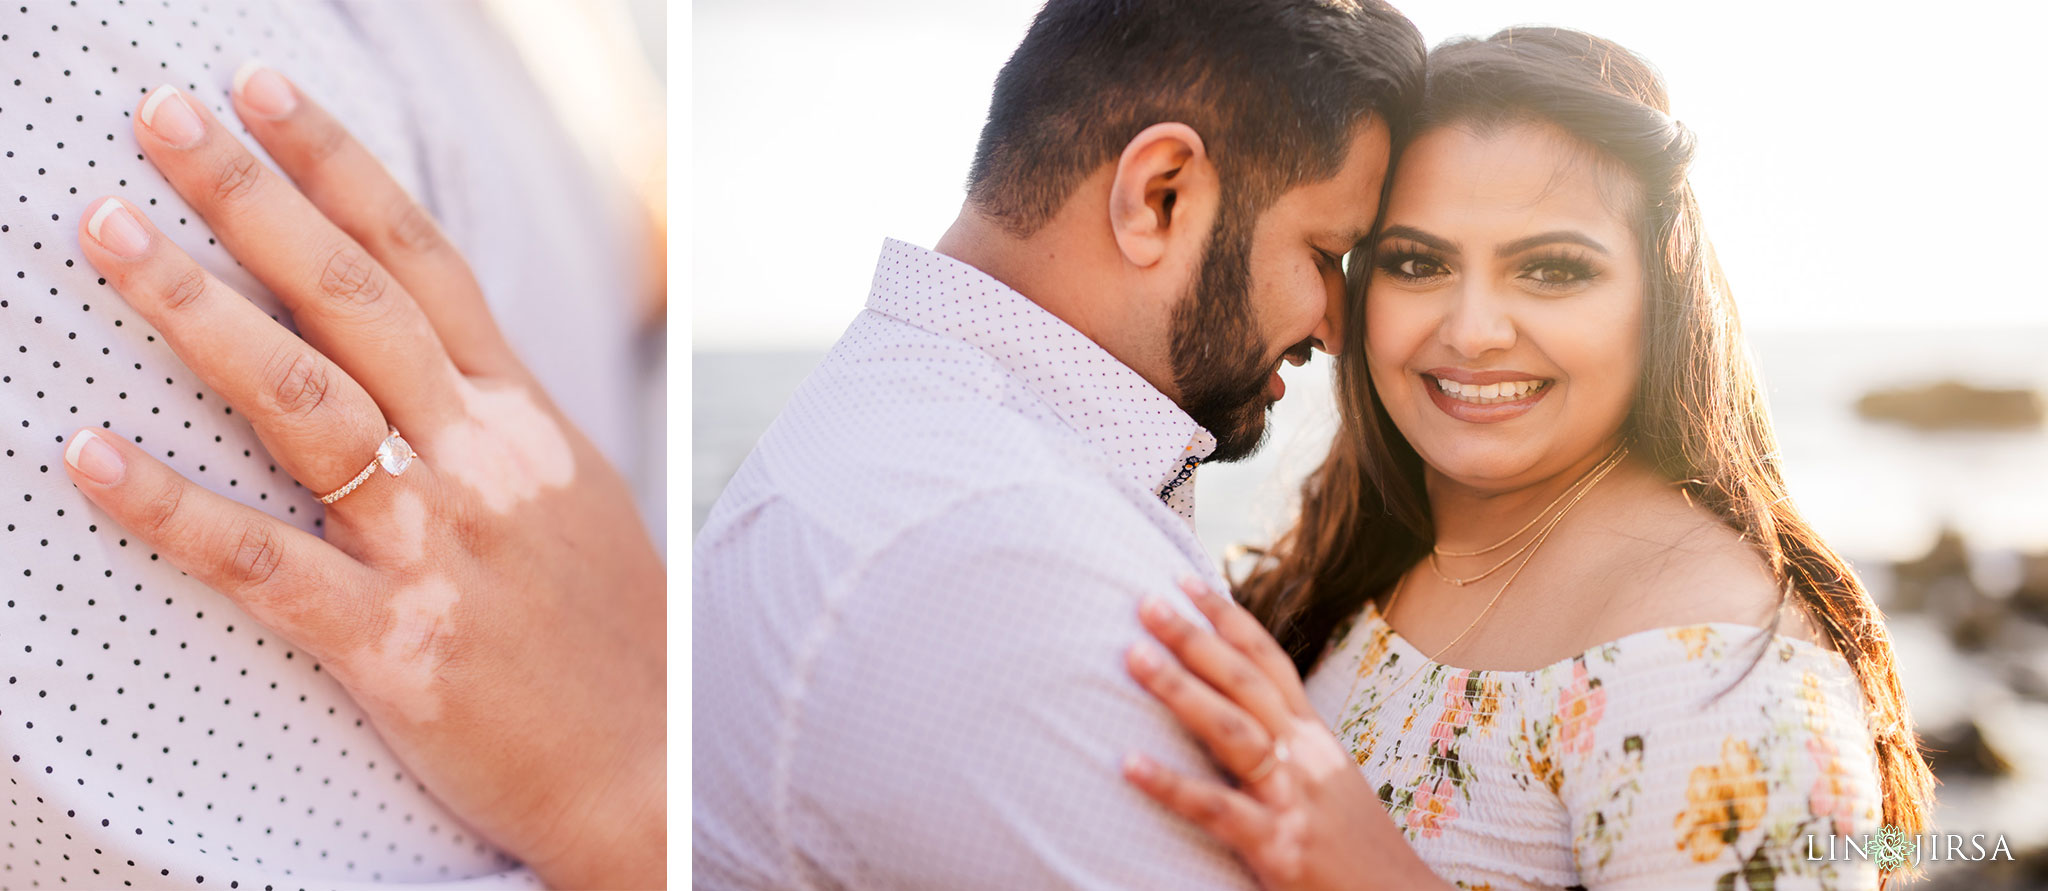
x,y
912,599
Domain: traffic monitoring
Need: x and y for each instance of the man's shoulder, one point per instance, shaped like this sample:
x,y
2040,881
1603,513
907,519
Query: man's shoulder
x,y
1062,515
896,422
886,368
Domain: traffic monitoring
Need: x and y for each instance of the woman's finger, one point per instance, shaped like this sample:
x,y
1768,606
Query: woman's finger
x,y
313,417
1232,736
1242,631
1234,818
343,302
1221,665
352,188
290,581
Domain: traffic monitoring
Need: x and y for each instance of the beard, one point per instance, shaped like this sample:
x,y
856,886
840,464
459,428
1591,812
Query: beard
x,y
1219,361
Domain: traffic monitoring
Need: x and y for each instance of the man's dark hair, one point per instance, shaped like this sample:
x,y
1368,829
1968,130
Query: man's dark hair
x,y
1276,88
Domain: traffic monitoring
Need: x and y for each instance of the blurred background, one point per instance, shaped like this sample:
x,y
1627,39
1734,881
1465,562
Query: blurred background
x,y
602,66
1870,181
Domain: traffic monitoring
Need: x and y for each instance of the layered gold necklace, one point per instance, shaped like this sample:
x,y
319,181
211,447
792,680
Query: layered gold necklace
x,y
1575,493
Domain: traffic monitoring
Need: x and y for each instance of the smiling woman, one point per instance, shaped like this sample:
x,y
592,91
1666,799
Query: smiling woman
x,y
1664,678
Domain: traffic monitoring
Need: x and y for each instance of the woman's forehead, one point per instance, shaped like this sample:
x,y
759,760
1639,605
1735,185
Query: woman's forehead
x,y
1464,178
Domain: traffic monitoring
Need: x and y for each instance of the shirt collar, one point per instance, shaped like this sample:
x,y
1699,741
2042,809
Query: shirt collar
x,y
1141,431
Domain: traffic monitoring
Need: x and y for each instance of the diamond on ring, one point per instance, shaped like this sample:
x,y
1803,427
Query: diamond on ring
x,y
394,454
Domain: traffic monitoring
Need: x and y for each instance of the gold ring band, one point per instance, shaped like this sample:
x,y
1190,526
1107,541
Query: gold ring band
x,y
1274,758
394,454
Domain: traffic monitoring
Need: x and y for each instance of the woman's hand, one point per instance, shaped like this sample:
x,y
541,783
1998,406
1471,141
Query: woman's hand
x,y
497,609
1301,816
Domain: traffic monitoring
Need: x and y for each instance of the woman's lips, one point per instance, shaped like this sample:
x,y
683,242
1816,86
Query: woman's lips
x,y
1483,414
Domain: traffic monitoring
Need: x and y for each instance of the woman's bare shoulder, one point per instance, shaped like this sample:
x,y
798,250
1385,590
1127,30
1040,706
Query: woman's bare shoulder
x,y
1680,564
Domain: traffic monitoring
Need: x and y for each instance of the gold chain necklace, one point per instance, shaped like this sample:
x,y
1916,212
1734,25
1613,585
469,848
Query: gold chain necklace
x,y
1436,567
1605,467
1460,583
1525,526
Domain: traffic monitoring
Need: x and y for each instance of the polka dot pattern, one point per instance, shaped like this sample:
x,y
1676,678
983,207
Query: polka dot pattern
x,y
151,735
922,580
1118,412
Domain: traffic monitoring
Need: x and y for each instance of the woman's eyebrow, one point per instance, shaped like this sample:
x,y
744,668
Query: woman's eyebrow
x,y
1565,236
1420,237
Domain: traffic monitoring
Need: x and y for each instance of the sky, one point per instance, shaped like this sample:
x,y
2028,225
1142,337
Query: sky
x,y
1869,169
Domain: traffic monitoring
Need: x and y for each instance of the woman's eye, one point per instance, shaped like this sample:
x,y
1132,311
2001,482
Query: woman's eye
x,y
1416,267
1558,272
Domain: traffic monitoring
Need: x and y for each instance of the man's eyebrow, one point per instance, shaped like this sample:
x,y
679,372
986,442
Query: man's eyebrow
x,y
1417,235
1564,236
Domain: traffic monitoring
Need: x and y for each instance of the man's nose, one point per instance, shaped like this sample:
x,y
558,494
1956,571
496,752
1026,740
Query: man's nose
x,y
1328,338
1329,331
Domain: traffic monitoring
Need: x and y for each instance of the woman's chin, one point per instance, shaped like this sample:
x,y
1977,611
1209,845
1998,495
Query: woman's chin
x,y
1480,465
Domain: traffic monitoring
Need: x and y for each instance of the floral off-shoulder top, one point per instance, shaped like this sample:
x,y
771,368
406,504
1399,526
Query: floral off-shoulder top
x,y
1617,768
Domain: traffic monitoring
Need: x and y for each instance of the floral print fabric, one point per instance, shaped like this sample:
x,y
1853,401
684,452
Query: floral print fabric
x,y
1700,756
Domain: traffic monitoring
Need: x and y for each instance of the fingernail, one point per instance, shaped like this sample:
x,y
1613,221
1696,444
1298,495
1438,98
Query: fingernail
x,y
1144,656
264,91
117,230
94,458
173,119
1137,767
1153,608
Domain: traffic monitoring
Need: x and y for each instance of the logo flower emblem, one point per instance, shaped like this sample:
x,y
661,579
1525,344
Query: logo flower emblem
x,y
1889,849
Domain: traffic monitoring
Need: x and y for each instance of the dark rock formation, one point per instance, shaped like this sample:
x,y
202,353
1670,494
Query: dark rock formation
x,y
1961,750
1952,405
2031,597
1911,579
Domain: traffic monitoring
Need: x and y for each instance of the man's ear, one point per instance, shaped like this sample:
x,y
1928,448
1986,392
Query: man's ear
x,y
1163,194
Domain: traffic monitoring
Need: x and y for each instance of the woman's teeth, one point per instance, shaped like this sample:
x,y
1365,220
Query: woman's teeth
x,y
1489,394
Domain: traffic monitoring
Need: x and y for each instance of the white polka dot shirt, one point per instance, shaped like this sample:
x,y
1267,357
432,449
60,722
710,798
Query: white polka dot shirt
x,y
151,735
911,606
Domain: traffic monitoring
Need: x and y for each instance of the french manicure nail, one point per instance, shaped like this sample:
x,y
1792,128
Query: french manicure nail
x,y
167,113
1153,608
264,91
94,458
1144,656
117,230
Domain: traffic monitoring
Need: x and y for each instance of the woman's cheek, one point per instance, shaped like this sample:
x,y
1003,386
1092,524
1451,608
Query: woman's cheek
x,y
1603,361
1394,332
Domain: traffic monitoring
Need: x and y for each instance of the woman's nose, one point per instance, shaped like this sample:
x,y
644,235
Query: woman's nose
x,y
1476,321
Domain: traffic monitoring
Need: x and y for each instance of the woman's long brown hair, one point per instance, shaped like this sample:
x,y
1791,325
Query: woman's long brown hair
x,y
1698,416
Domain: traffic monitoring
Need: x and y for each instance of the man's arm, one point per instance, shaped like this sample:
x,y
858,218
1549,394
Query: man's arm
x,y
962,717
